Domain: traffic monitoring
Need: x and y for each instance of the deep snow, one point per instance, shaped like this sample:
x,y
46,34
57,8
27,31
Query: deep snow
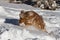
x,y
9,29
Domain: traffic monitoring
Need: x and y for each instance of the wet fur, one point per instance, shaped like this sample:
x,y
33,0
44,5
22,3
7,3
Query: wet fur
x,y
32,18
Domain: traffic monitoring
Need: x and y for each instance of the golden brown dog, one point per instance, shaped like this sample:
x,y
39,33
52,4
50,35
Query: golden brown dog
x,y
32,18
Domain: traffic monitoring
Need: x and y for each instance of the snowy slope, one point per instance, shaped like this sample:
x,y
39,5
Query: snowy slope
x,y
9,29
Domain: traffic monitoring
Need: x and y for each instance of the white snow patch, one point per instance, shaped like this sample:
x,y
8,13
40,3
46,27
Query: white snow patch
x,y
2,20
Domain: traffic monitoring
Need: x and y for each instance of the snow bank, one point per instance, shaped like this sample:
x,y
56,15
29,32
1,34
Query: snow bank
x,y
12,32
17,6
9,29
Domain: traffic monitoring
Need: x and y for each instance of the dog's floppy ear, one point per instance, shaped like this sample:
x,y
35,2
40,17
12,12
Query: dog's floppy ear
x,y
22,11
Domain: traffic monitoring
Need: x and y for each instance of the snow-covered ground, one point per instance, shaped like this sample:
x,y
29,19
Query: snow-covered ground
x,y
9,29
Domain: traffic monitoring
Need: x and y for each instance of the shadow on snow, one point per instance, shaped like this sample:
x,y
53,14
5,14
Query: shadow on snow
x,y
12,21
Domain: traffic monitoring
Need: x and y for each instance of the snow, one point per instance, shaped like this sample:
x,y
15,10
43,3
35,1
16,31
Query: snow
x,y
9,29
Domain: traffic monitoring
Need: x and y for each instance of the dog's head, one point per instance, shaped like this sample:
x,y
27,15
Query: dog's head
x,y
27,14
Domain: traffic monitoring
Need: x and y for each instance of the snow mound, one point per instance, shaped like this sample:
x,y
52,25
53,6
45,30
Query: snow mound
x,y
13,32
17,6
